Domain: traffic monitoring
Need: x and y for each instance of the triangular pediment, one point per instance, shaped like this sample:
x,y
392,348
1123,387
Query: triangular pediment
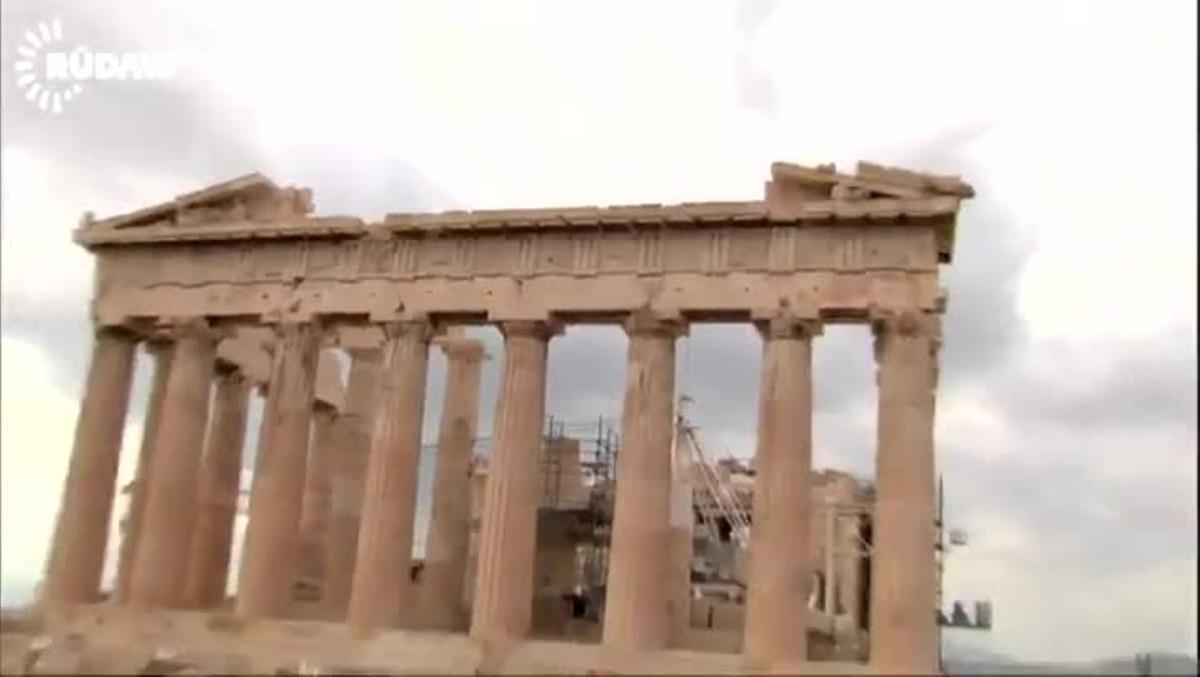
x,y
251,197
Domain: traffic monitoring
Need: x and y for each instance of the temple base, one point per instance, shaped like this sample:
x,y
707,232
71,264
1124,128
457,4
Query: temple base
x,y
104,638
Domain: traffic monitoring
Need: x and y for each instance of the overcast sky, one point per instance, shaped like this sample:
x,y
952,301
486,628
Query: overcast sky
x,y
1066,422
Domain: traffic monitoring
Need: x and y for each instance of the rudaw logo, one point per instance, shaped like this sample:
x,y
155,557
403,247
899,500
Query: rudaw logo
x,y
51,76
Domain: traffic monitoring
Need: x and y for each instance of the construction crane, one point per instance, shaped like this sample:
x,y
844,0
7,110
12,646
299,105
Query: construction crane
x,y
715,494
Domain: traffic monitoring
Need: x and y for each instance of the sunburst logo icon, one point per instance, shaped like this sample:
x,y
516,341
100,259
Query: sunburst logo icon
x,y
48,94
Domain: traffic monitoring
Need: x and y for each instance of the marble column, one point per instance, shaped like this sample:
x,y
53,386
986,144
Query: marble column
x,y
636,614
780,560
831,574
349,478
220,484
444,576
160,563
135,513
76,559
271,548
849,564
679,551
381,593
903,632
502,604
316,509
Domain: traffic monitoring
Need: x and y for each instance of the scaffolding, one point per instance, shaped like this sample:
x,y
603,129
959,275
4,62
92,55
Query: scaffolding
x,y
599,443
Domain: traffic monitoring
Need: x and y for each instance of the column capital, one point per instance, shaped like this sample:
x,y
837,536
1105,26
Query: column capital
x,y
358,335
467,350
421,329
280,333
116,331
325,409
886,324
156,345
283,327
175,329
790,328
457,345
539,329
227,371
364,354
905,322
647,323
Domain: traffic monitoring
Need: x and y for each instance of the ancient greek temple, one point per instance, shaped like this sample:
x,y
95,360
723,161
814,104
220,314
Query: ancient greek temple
x,y
239,287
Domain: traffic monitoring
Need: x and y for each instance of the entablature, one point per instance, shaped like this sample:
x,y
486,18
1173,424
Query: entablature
x,y
834,244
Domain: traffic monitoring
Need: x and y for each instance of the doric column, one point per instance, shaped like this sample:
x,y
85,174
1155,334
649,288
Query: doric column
x,y
849,564
679,551
444,575
831,581
160,563
135,512
903,633
349,477
316,508
780,561
77,553
220,484
503,598
381,592
269,555
636,614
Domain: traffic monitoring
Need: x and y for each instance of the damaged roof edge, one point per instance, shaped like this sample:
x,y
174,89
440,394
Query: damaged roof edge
x,y
875,192
247,184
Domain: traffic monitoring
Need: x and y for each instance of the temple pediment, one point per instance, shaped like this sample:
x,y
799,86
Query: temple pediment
x,y
252,197
870,181
252,207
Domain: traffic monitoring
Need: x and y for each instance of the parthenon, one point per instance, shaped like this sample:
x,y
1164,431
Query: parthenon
x,y
239,287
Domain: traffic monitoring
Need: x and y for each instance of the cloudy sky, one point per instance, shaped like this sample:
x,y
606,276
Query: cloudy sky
x,y
1067,411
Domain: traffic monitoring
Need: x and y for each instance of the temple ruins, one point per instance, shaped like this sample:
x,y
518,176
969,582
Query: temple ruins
x,y
239,289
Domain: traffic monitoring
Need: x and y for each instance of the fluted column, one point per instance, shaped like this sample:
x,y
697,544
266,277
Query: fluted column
x,y
381,592
503,598
349,478
850,580
903,633
80,538
679,552
636,613
780,561
160,563
131,527
445,570
831,581
317,505
270,553
220,484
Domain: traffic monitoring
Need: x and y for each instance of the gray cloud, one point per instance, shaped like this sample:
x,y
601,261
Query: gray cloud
x,y
168,126
359,185
755,88
65,333
1144,383
1074,515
